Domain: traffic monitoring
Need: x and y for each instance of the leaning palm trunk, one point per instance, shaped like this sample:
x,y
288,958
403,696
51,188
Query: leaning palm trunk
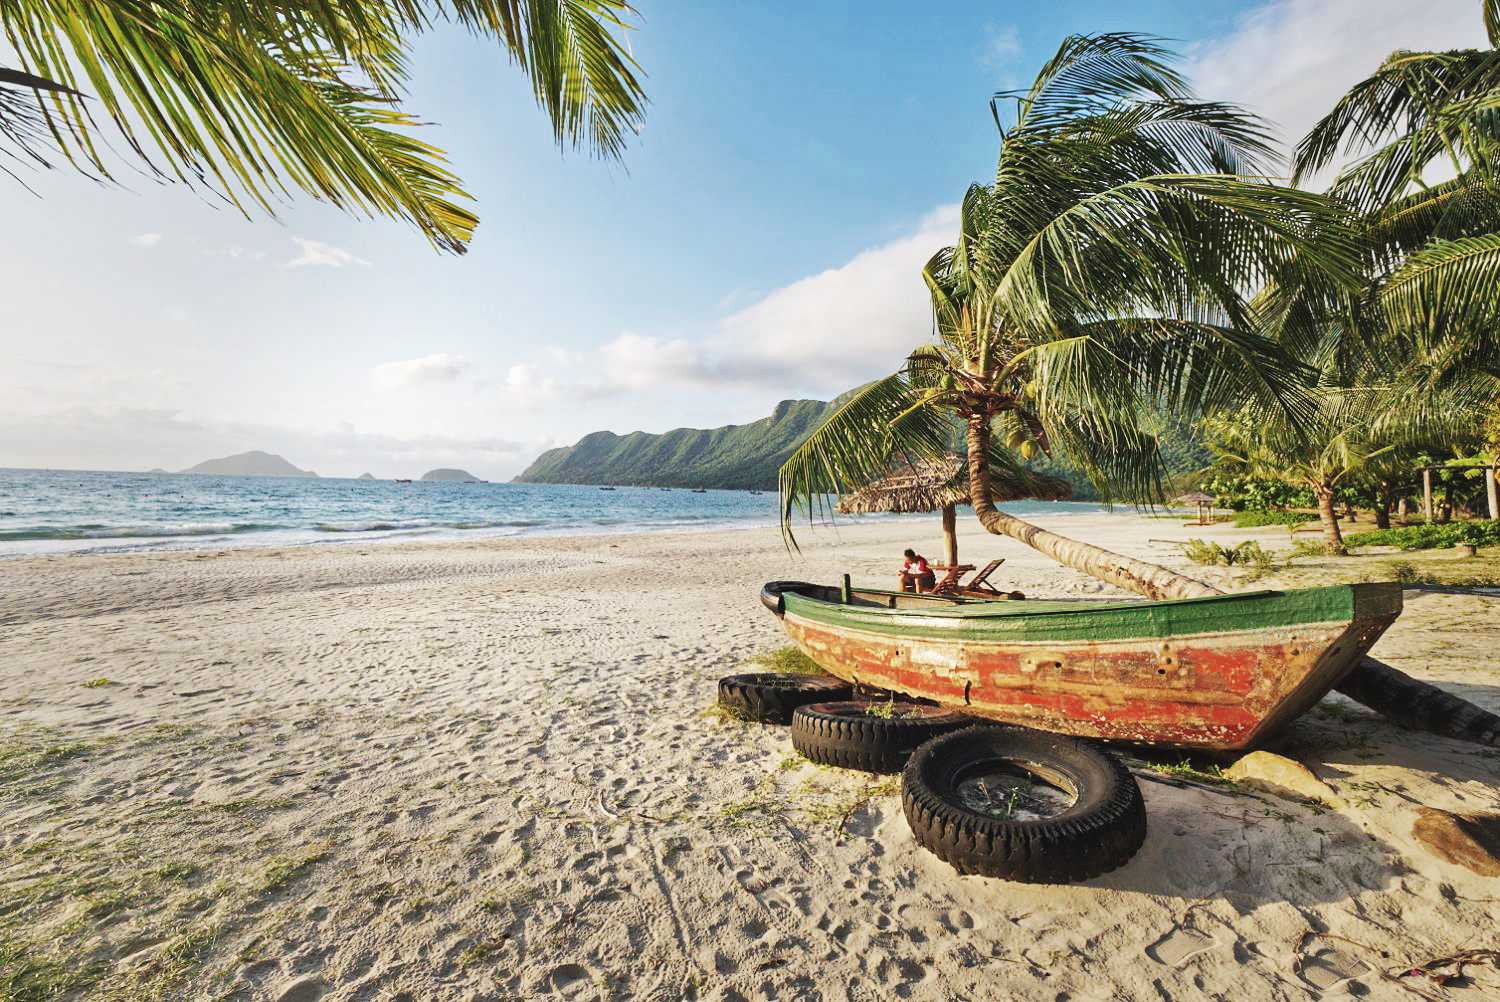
x,y
1133,575
1391,693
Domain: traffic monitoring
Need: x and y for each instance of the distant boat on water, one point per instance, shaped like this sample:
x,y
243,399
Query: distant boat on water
x,y
400,481
606,488
700,490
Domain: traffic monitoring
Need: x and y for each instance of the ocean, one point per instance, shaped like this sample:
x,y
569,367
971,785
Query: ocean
x,y
48,512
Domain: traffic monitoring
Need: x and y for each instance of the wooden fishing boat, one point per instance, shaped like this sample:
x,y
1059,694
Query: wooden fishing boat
x,y
1224,672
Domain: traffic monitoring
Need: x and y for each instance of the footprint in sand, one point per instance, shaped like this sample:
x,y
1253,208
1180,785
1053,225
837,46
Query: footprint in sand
x,y
1327,969
569,981
762,889
1179,946
304,990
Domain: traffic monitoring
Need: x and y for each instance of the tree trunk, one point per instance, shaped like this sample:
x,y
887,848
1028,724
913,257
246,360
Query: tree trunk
x,y
950,536
1401,507
1383,508
1133,575
1491,492
1333,542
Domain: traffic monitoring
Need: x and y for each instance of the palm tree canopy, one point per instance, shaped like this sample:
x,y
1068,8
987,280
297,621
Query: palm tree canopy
x,y
1424,199
255,98
1100,276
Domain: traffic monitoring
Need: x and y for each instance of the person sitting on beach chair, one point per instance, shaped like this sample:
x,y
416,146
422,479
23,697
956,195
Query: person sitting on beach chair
x,y
916,573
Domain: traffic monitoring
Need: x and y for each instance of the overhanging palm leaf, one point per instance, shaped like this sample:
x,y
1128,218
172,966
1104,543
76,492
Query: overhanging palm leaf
x,y
256,99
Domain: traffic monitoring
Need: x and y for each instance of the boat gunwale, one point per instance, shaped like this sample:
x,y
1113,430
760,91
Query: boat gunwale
x,y
1237,612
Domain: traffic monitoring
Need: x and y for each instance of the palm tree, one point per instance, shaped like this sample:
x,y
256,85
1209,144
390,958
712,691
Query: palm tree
x,y
1425,199
1100,275
254,99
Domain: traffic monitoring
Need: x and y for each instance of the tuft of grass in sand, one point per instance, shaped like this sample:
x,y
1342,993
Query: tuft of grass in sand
x,y
785,659
28,758
282,870
1207,772
721,714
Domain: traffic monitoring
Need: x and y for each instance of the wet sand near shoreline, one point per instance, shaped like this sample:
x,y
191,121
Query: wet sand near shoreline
x,y
493,771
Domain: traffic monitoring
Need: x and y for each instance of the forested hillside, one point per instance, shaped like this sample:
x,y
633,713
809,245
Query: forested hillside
x,y
746,457
735,457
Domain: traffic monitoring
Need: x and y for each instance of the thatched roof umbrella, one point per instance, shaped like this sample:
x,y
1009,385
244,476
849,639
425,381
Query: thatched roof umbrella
x,y
1201,500
942,485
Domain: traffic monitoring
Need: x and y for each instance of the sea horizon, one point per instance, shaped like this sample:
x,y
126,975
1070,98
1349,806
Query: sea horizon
x,y
50,512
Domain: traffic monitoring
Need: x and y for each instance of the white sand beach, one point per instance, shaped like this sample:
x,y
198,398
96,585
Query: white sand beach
x,y
479,771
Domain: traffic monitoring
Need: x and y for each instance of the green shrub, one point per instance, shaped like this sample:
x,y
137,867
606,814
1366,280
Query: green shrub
x,y
1430,537
786,659
1249,553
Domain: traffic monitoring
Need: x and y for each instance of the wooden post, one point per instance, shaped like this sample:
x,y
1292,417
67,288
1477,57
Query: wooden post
x,y
1427,494
950,535
1491,494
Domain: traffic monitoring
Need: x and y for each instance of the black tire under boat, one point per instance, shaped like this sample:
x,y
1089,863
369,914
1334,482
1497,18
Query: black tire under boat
x,y
994,801
850,736
771,697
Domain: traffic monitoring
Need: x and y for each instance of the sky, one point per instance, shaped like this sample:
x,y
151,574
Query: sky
x,y
762,240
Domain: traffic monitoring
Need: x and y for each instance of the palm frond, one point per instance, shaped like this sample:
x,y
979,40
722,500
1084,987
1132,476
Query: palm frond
x,y
1447,297
860,442
257,99
1090,73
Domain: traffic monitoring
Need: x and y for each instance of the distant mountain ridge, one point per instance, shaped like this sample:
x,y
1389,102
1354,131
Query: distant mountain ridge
x,y
250,464
735,457
451,477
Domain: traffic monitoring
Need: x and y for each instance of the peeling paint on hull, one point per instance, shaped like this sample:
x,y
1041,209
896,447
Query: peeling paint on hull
x,y
1205,673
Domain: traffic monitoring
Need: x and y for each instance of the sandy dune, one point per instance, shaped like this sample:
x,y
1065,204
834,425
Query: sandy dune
x,y
486,771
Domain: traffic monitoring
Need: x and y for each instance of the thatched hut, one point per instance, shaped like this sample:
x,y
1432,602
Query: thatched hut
x,y
1201,501
943,485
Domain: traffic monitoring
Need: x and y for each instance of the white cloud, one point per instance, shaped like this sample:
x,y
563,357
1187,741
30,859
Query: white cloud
x,y
316,254
822,334
1290,61
417,374
34,385
146,240
178,315
632,361
525,388
1002,45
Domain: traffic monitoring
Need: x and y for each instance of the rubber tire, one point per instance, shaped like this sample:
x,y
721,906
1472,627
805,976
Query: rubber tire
x,y
771,697
1101,831
847,736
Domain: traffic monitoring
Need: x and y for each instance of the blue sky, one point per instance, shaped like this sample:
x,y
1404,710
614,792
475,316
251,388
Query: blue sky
x,y
762,240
